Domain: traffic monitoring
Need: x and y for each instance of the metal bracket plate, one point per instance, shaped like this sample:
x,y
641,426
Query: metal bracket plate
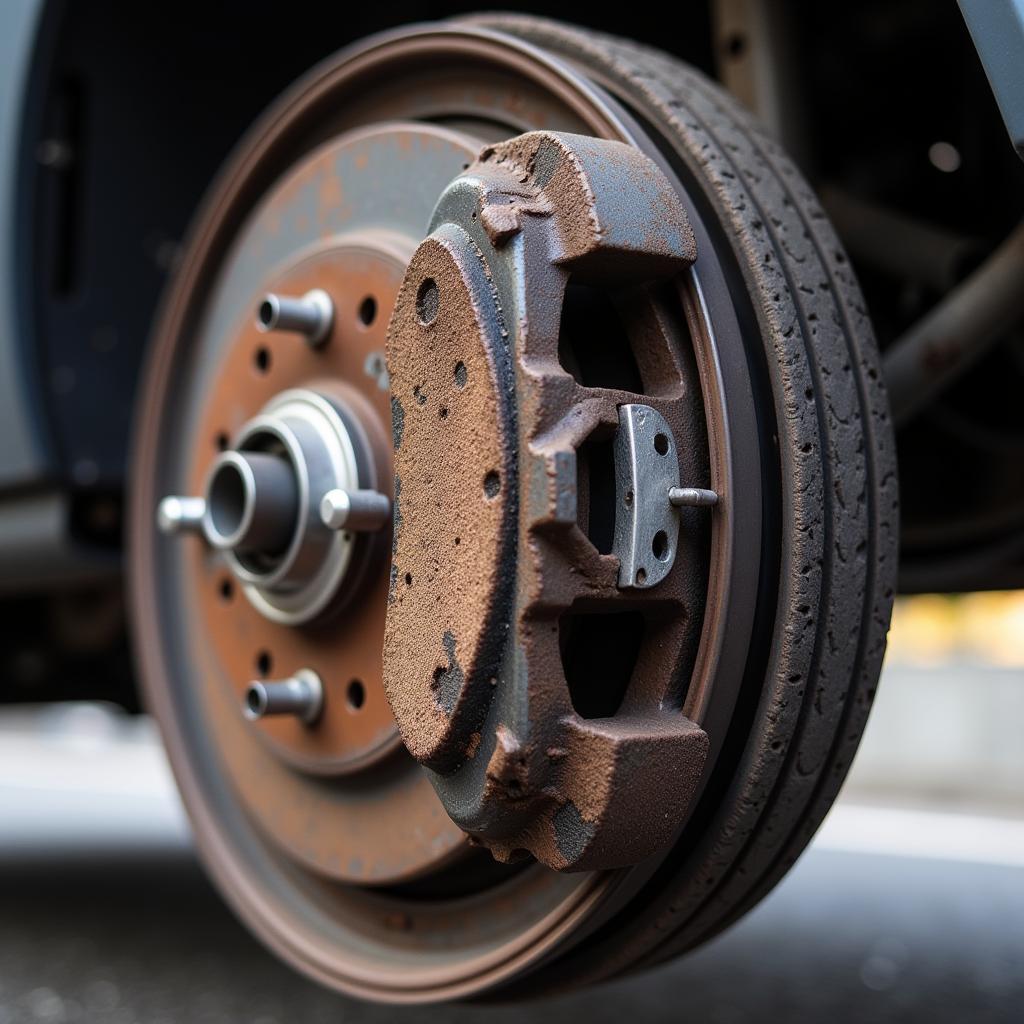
x,y
646,524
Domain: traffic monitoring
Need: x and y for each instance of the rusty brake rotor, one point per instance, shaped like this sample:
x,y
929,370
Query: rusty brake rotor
x,y
479,532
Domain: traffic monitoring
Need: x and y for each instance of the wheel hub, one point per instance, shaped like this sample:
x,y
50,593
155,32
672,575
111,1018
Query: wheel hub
x,y
263,505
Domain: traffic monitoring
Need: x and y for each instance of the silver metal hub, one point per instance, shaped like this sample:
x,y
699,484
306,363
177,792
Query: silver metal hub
x,y
306,436
264,504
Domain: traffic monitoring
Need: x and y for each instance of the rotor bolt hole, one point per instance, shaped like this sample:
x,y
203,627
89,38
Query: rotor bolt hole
x,y
629,498
264,663
659,546
461,375
661,444
408,579
492,484
368,310
262,358
226,590
220,441
356,695
428,299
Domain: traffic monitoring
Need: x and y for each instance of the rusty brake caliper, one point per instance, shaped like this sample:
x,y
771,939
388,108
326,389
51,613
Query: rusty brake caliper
x,y
488,550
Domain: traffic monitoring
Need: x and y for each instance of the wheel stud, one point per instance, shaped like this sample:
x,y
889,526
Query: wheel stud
x,y
311,314
301,695
180,515
695,497
360,511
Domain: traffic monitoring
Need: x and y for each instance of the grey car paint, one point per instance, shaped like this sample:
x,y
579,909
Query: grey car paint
x,y
24,454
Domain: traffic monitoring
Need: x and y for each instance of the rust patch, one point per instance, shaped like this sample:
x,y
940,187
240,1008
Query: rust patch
x,y
454,531
618,215
314,824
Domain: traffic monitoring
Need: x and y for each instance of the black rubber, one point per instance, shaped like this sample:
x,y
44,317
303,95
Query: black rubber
x,y
839,507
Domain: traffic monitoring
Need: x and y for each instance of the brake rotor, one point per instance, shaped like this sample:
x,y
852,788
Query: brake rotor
x,y
468,593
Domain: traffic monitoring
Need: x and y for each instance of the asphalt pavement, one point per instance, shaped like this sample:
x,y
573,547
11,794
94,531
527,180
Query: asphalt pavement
x,y
895,914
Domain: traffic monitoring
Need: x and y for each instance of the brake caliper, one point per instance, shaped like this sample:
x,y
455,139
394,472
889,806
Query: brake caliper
x,y
492,551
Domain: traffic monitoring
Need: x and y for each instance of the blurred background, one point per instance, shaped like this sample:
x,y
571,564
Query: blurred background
x,y
909,905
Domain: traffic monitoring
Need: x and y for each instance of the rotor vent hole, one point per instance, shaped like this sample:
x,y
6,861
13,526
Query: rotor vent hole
x,y
428,301
599,655
593,342
368,311
220,441
660,546
355,694
261,358
461,375
492,484
595,491
264,663
226,589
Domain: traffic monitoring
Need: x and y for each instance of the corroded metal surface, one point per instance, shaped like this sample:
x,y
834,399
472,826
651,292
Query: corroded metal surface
x,y
294,863
453,428
549,758
487,430
389,826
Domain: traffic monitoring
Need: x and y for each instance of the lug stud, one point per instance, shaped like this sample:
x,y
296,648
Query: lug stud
x,y
180,515
693,497
359,511
311,315
301,695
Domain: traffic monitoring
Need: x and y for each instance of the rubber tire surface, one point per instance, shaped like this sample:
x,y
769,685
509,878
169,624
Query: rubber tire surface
x,y
839,505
